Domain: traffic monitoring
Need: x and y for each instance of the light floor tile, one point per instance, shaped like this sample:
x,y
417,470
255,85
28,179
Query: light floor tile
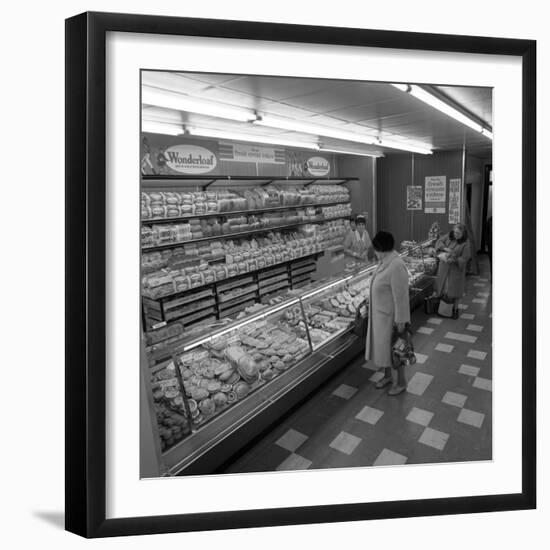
x,y
345,443
435,321
475,328
420,358
344,391
468,370
468,316
462,306
454,399
424,330
434,438
471,418
447,348
389,458
294,462
420,416
474,354
418,383
369,415
479,301
377,376
291,440
461,337
483,384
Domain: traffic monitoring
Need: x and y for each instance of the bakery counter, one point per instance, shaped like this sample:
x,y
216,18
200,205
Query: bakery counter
x,y
207,450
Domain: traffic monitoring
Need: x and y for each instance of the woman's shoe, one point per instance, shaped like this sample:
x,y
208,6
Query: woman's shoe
x,y
396,390
383,383
455,313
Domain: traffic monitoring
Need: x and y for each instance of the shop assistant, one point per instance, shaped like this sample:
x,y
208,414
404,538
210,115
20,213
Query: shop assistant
x,y
357,244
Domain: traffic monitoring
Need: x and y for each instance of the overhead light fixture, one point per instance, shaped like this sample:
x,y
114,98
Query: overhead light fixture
x,y
434,101
349,152
325,131
404,147
234,136
153,127
180,102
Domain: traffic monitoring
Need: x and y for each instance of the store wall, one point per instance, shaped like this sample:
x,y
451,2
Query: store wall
x,y
394,173
361,192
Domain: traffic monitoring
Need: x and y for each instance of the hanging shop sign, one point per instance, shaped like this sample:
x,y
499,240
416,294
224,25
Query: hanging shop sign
x,y
317,166
250,153
454,200
164,155
434,194
414,197
190,159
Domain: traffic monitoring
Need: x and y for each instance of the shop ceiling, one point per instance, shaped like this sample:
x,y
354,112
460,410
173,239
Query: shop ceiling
x,y
371,108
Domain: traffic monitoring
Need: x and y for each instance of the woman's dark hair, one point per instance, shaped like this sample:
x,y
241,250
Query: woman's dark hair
x,y
464,237
383,241
360,219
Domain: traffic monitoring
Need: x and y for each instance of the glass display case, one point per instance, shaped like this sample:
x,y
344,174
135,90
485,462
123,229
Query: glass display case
x,y
218,371
236,373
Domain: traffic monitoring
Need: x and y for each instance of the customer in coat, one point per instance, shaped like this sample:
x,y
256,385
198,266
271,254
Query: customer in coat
x,y
453,250
389,307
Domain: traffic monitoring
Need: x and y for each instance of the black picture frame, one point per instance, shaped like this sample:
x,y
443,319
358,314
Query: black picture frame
x,y
86,285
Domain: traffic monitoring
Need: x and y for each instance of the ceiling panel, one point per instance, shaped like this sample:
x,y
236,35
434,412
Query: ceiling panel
x,y
279,88
372,109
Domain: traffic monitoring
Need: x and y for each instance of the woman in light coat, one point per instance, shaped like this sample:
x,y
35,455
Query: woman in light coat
x,y
454,252
389,307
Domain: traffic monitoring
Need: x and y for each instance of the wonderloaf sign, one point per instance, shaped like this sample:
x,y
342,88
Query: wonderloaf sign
x,y
190,159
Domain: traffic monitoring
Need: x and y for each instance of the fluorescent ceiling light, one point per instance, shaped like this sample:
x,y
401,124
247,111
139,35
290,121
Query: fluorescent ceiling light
x,y
251,138
404,147
432,100
153,127
325,131
180,102
348,152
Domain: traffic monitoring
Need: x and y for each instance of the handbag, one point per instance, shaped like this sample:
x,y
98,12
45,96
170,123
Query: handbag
x,y
402,348
431,304
445,308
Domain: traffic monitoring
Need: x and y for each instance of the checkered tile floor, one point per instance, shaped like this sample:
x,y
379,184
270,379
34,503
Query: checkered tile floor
x,y
444,416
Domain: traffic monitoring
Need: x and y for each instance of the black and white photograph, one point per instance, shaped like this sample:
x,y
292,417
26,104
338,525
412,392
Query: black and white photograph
x,y
316,273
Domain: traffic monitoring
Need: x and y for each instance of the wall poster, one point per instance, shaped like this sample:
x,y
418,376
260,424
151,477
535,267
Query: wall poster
x,y
454,200
434,198
414,197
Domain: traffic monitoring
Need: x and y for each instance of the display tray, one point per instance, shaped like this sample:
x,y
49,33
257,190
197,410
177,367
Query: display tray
x,y
180,292
172,315
196,316
244,297
272,272
302,270
238,234
188,299
212,446
148,221
272,288
274,279
223,287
